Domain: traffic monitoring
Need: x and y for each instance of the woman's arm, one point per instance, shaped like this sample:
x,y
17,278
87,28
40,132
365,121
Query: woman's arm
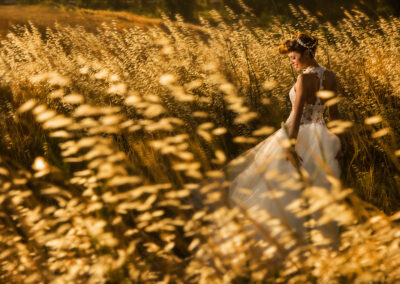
x,y
298,105
331,84
333,111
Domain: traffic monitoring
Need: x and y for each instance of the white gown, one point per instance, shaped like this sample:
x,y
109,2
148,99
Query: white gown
x,y
271,182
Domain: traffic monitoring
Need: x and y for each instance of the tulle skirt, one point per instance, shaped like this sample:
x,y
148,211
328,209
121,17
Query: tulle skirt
x,y
263,178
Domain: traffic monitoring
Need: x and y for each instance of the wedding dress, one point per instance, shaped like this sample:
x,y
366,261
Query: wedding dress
x,y
263,177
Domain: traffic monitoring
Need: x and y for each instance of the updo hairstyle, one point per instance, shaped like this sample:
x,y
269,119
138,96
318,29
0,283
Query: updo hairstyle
x,y
290,45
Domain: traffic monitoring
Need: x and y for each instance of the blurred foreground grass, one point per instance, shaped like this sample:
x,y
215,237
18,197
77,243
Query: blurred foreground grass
x,y
107,140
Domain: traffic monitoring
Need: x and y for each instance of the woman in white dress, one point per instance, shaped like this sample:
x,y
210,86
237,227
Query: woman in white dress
x,y
272,175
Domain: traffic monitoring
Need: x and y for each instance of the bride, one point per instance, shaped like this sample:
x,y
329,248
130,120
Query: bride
x,y
273,175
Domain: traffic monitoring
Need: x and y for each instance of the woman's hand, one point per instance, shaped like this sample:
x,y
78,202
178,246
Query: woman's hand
x,y
339,154
294,158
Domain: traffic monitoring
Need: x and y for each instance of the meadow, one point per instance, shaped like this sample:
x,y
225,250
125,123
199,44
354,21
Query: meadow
x,y
113,142
47,14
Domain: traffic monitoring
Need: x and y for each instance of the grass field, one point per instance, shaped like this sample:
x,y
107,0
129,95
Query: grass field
x,y
113,142
44,16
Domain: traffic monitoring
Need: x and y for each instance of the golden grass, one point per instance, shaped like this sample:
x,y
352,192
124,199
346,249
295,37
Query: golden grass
x,y
112,144
44,16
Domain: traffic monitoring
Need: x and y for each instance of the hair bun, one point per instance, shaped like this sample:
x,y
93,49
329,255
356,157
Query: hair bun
x,y
307,39
300,43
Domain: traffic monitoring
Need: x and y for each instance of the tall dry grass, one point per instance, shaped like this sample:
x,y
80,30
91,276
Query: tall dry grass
x,y
47,14
108,139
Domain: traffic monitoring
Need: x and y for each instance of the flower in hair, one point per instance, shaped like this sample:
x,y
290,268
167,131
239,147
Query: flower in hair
x,y
305,45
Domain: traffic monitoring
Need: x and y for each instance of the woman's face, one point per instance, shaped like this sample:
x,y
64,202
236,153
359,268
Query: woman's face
x,y
296,59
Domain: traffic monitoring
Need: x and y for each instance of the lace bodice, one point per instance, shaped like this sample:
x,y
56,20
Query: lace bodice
x,y
312,113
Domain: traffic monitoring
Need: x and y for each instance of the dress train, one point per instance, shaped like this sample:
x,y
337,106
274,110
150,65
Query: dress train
x,y
263,178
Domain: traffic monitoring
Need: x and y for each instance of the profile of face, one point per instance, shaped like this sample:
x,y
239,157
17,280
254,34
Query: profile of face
x,y
298,60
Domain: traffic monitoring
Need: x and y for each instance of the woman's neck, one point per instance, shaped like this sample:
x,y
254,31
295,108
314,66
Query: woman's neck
x,y
312,63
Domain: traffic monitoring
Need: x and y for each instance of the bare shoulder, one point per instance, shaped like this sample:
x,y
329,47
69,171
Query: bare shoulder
x,y
330,80
329,75
306,78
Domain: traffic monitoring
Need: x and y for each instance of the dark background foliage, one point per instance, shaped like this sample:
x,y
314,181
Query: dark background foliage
x,y
264,9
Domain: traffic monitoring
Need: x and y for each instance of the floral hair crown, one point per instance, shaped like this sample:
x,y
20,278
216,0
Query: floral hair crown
x,y
305,45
